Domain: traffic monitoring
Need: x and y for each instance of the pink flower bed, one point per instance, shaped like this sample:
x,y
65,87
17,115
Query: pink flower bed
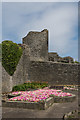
x,y
37,95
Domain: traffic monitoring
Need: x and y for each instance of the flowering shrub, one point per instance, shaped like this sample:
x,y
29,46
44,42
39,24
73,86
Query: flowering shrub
x,y
37,95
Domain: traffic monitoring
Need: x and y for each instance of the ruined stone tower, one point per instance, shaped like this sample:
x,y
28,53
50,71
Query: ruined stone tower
x,y
38,44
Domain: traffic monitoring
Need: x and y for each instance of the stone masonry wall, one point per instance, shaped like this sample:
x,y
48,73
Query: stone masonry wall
x,y
38,43
26,62
35,66
54,73
17,77
54,57
6,81
21,73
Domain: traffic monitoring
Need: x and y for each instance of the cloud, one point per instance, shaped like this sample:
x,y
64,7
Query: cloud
x,y
59,18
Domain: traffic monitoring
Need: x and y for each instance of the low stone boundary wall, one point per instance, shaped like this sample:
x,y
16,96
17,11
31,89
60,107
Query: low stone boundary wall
x,y
29,105
64,99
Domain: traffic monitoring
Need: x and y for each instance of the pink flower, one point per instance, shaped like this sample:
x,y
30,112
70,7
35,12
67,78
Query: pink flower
x,y
37,95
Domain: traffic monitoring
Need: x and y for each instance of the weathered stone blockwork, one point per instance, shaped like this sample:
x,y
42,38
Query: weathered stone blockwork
x,y
20,75
6,81
54,57
54,73
38,43
17,77
29,105
34,65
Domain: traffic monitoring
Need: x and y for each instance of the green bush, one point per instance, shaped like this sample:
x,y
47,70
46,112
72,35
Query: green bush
x,y
76,62
27,86
11,53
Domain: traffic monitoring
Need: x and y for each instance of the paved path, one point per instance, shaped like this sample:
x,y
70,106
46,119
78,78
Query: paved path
x,y
57,110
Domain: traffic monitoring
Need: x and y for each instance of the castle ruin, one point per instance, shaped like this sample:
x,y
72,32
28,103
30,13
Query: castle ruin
x,y
36,64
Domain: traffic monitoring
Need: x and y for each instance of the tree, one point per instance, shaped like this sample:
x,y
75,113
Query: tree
x,y
11,53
